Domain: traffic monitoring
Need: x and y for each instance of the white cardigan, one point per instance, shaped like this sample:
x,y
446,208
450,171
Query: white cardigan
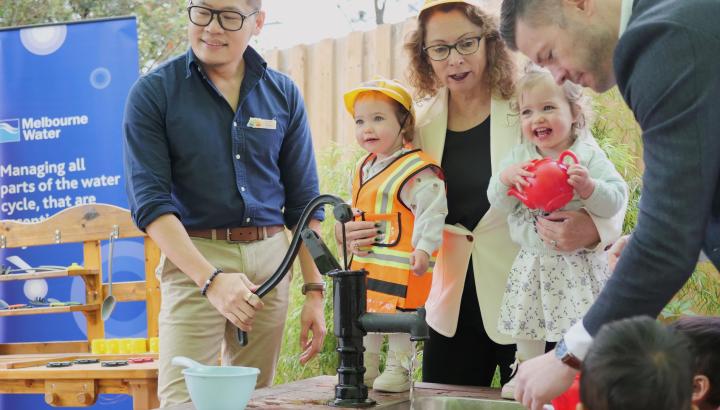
x,y
489,244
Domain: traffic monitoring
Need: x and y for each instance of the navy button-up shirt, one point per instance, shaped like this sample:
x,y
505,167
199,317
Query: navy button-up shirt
x,y
188,153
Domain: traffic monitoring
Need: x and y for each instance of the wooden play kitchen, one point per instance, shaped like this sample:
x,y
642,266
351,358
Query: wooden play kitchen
x,y
24,366
80,383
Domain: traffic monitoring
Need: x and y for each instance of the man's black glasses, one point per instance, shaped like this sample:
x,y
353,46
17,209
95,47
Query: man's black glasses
x,y
229,20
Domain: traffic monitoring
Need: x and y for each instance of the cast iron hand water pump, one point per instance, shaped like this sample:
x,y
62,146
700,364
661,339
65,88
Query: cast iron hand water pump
x,y
351,319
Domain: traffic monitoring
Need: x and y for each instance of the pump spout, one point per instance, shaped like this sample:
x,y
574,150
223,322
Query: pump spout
x,y
412,323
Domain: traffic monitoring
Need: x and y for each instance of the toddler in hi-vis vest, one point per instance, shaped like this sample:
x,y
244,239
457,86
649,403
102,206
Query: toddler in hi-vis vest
x,y
401,190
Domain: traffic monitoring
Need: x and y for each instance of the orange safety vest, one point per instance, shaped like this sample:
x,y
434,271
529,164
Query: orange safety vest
x,y
391,285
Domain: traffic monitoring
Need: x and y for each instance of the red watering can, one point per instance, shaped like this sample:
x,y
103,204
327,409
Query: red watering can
x,y
549,189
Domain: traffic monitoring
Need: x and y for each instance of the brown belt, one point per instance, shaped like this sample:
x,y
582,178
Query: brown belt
x,y
243,234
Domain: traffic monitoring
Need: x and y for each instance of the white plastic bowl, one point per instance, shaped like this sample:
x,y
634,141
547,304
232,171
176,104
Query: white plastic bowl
x,y
220,387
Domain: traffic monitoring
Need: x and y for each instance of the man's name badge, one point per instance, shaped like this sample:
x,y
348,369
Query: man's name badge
x,y
262,123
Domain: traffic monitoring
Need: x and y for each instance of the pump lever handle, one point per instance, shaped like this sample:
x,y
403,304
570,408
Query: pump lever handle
x,y
324,259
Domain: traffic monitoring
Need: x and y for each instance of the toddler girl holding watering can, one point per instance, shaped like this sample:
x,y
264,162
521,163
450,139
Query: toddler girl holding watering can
x,y
548,290
401,190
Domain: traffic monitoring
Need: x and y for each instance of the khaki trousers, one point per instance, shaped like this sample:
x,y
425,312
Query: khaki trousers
x,y
191,326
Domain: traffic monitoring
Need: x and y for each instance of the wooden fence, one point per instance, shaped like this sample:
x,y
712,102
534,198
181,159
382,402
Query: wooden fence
x,y
325,70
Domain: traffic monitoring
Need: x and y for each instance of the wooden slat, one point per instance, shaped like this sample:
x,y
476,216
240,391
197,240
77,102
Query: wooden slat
x,y
320,96
399,56
369,56
115,386
352,76
81,346
127,291
86,371
294,61
144,393
46,310
105,386
47,275
152,287
342,119
93,289
22,363
383,50
22,387
272,58
75,224
66,393
9,361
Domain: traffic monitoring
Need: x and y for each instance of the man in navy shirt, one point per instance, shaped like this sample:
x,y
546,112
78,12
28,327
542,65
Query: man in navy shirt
x,y
218,160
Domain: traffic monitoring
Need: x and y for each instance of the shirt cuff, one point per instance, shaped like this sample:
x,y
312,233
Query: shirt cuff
x,y
148,215
427,246
578,340
598,221
292,218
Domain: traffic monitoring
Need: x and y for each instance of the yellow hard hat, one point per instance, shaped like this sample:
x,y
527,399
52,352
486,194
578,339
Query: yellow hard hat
x,y
391,88
432,3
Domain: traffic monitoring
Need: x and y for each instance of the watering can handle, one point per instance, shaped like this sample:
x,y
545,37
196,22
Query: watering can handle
x,y
567,153
517,194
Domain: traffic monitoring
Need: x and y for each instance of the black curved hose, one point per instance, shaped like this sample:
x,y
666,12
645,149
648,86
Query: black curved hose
x,y
342,213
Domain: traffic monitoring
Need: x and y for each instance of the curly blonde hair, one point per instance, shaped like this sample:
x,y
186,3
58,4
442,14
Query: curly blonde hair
x,y
580,104
501,73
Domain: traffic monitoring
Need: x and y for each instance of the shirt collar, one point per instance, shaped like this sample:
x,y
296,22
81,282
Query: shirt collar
x,y
625,14
253,60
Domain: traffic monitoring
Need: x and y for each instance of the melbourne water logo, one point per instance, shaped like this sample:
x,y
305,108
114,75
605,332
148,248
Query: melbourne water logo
x,y
9,130
38,129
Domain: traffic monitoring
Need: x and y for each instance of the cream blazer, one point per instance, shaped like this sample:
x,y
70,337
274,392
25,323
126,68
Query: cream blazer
x,y
492,250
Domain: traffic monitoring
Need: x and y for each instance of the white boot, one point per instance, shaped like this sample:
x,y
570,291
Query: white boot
x,y
526,350
508,389
395,378
372,367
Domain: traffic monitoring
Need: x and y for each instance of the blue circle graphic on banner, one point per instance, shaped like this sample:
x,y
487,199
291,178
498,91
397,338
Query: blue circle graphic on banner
x,y
100,78
43,40
128,318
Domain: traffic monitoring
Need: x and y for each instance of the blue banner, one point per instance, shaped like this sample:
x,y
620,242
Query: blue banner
x,y
62,94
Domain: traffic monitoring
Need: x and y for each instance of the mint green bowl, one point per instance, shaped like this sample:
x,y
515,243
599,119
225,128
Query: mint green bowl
x,y
220,387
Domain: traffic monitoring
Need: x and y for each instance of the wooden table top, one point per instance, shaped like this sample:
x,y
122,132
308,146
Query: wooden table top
x,y
316,392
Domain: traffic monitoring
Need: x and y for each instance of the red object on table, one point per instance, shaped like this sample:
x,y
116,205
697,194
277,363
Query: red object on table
x,y
570,398
140,360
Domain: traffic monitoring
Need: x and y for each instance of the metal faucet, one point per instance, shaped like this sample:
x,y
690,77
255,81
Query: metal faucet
x,y
410,323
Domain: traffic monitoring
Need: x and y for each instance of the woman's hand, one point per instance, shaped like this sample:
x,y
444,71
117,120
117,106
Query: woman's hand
x,y
515,176
579,179
616,250
359,235
568,231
